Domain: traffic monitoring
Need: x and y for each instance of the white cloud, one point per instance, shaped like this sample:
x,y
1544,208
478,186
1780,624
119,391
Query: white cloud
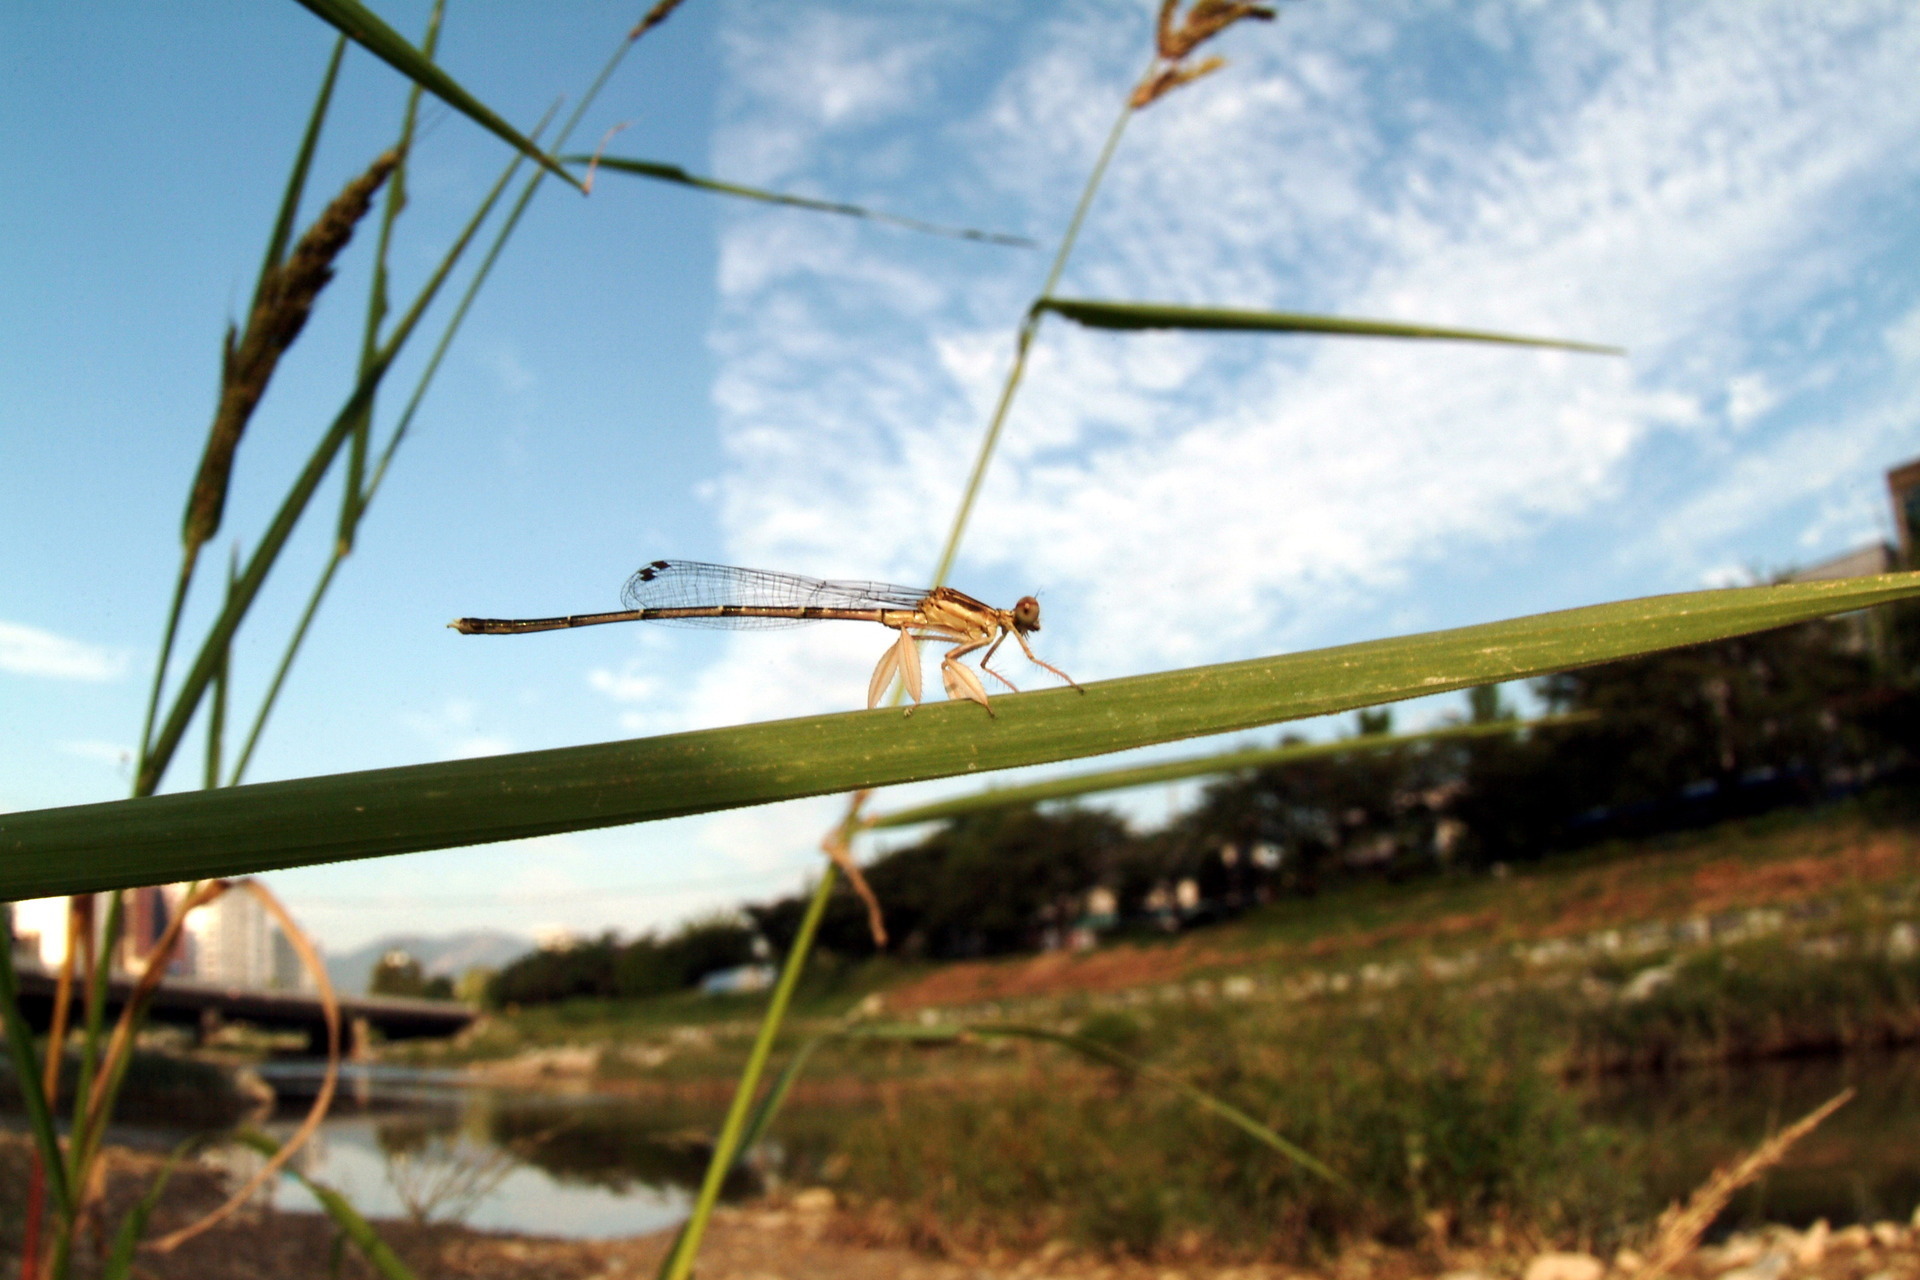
x,y
112,753
511,371
1678,183
1837,458
1748,396
29,651
818,69
453,731
624,686
1903,337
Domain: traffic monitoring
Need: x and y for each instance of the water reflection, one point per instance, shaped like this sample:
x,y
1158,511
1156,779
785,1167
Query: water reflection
x,y
427,1145
404,1142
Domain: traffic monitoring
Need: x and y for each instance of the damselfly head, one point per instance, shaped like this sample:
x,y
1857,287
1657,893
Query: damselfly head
x,y
1026,615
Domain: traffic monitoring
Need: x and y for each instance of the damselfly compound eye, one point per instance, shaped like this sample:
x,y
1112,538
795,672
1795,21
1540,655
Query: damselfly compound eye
x,y
1026,614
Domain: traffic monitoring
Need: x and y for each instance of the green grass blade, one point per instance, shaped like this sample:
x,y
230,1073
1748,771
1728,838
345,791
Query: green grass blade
x,y
294,641
352,493
27,1072
119,1265
1023,339
276,250
674,173
217,712
1146,775
776,1097
432,367
241,830
283,221
678,1264
365,28
345,1217
1167,315
194,685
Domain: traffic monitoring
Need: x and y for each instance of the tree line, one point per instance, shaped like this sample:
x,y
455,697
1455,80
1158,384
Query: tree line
x,y
1675,739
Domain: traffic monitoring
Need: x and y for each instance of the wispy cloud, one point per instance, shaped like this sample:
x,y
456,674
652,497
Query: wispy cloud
x,y
30,651
1689,183
454,733
113,753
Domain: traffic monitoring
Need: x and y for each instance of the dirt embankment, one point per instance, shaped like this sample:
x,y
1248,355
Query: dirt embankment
x,y
1804,864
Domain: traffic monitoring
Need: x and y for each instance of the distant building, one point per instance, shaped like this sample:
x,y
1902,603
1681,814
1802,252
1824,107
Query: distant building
x,y
149,911
231,940
1903,486
40,929
554,937
740,980
1875,557
236,942
1865,628
40,932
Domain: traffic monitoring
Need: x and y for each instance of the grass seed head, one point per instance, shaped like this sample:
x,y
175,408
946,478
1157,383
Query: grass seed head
x,y
285,300
1177,36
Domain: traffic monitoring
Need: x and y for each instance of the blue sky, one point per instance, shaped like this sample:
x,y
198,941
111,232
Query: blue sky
x,y
1726,189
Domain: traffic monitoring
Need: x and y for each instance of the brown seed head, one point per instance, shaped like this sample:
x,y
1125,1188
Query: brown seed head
x,y
287,294
1175,37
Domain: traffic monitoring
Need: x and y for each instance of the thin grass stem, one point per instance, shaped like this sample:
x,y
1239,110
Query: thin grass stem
x,y
167,637
379,471
678,1264
294,642
293,506
1023,342
351,498
20,1049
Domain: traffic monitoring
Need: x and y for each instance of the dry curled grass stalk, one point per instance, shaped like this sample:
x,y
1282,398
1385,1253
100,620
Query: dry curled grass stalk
x,y
837,846
330,1009
286,298
1176,37
1681,1226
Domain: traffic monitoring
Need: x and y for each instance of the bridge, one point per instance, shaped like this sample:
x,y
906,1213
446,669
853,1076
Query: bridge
x,y
204,1007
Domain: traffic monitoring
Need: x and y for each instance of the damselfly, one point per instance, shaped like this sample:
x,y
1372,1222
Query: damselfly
x,y
689,593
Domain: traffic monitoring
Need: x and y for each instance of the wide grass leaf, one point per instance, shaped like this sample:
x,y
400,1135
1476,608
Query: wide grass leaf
x,y
1167,315
346,1219
1147,775
366,29
238,830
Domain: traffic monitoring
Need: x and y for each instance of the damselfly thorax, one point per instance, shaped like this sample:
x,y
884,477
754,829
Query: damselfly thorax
x,y
691,593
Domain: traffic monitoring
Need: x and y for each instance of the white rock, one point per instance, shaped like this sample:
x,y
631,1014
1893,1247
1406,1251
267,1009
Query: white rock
x,y
1853,1237
1738,1251
1811,1247
1771,1265
815,1200
1566,1266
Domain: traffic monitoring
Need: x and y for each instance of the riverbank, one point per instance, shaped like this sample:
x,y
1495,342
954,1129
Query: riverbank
x,y
1428,1042
1542,1059
1839,880
808,1236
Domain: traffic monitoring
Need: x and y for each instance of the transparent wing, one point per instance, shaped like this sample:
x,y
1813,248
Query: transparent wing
x,y
691,584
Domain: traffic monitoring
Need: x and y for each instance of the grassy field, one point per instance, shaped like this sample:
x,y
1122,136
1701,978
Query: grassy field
x,y
1819,885
1436,1043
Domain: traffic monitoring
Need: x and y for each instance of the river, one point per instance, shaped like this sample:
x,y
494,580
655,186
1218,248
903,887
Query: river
x,y
431,1144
